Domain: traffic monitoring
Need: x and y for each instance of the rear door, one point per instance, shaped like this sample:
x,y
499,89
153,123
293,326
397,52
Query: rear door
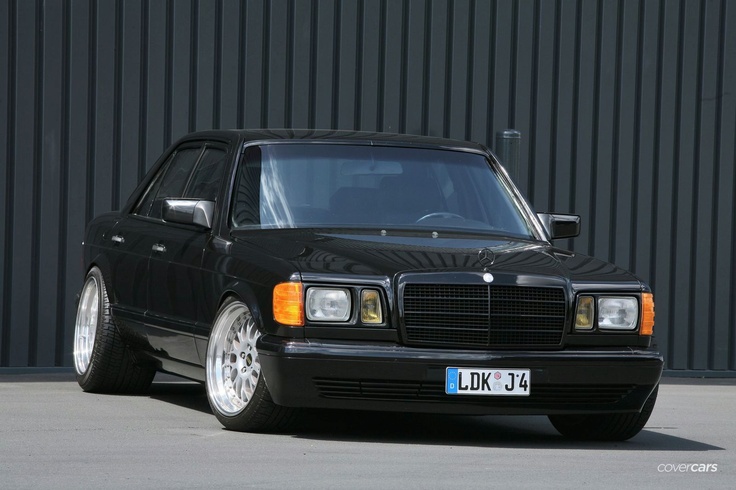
x,y
129,249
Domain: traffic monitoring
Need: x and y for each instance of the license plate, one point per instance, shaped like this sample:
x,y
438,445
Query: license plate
x,y
472,381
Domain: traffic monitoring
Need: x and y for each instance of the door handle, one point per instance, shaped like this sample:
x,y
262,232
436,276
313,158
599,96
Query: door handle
x,y
159,248
118,239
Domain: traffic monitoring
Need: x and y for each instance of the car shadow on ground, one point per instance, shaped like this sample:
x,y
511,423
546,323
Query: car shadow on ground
x,y
484,431
187,394
432,429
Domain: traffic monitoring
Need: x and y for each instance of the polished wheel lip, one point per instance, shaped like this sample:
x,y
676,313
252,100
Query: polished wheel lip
x,y
85,325
233,367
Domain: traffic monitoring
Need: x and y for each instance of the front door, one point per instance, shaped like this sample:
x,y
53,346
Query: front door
x,y
176,293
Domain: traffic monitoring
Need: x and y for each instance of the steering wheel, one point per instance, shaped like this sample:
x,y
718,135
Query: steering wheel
x,y
440,214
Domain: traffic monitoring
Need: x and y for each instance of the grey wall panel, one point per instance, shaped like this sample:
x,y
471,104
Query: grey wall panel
x,y
582,147
24,127
663,162
48,196
703,185
626,109
721,318
7,90
479,72
324,44
226,66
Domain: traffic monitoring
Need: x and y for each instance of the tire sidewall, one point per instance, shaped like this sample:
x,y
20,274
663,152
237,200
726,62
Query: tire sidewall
x,y
606,427
83,378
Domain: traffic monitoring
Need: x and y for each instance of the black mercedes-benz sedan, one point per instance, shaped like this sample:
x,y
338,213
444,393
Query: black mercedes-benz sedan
x,y
349,270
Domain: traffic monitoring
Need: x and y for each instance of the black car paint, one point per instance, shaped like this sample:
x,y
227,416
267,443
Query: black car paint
x,y
166,301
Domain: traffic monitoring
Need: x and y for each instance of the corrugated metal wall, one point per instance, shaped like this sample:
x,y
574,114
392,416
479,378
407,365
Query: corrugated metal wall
x,y
627,110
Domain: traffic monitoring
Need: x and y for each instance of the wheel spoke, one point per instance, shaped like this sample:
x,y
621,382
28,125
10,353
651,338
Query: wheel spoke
x,y
235,345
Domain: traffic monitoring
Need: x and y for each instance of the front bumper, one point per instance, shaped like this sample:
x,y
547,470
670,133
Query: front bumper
x,y
365,376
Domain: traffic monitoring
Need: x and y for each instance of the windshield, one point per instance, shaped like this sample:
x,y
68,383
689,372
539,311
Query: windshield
x,y
360,186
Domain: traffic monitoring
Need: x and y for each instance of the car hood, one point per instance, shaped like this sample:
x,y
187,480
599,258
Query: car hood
x,y
388,254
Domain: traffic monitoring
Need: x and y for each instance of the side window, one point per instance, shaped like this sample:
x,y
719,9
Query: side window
x,y
170,182
144,205
205,183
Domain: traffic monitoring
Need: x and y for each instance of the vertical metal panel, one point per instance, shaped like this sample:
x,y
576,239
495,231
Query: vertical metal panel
x,y
723,263
130,109
523,102
300,85
625,108
203,70
155,119
77,156
227,64
180,56
415,91
542,97
369,54
392,72
581,187
7,41
25,161
439,41
458,57
49,197
561,165
625,171
254,76
502,20
646,120
703,187
686,123
324,52
478,105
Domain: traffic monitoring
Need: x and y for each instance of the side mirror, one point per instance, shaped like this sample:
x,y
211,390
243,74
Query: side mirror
x,y
560,225
189,212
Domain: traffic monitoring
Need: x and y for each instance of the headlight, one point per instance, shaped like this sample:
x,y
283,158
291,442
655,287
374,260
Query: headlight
x,y
617,313
328,305
614,313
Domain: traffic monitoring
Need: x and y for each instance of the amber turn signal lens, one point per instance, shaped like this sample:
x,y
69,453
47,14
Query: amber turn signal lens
x,y
647,314
288,304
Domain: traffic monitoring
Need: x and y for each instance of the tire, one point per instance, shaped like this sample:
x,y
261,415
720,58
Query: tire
x,y
236,388
605,427
102,362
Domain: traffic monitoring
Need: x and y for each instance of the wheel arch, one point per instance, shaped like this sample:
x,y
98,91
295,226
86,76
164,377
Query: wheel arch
x,y
242,291
258,301
102,263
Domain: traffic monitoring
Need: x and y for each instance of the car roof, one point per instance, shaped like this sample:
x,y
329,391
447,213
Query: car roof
x,y
325,135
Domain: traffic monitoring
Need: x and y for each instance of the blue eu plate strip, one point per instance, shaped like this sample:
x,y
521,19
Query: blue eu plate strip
x,y
451,381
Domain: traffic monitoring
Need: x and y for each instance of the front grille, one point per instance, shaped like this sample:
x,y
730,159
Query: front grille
x,y
483,316
549,395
